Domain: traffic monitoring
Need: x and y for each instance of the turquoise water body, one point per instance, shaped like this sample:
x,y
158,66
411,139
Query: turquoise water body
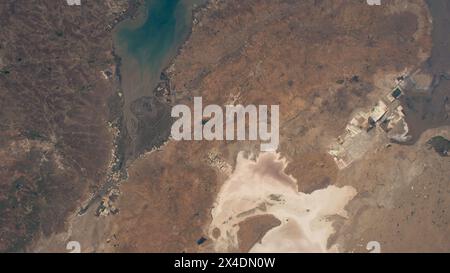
x,y
146,45
160,30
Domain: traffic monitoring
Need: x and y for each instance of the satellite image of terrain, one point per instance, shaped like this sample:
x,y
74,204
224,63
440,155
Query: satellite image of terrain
x,y
355,156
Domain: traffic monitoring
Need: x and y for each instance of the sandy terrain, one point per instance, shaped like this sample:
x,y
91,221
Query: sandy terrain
x,y
322,62
261,187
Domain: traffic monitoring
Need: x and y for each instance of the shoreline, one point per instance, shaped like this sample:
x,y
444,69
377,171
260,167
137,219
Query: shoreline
x,y
122,140
116,118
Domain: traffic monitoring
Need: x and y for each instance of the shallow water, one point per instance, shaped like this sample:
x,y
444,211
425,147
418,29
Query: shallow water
x,y
146,45
430,110
164,28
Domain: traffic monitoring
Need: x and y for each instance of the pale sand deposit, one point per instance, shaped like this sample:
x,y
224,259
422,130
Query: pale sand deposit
x,y
260,186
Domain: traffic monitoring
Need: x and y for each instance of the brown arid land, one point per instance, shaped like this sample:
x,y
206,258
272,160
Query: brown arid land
x,y
323,62
56,135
